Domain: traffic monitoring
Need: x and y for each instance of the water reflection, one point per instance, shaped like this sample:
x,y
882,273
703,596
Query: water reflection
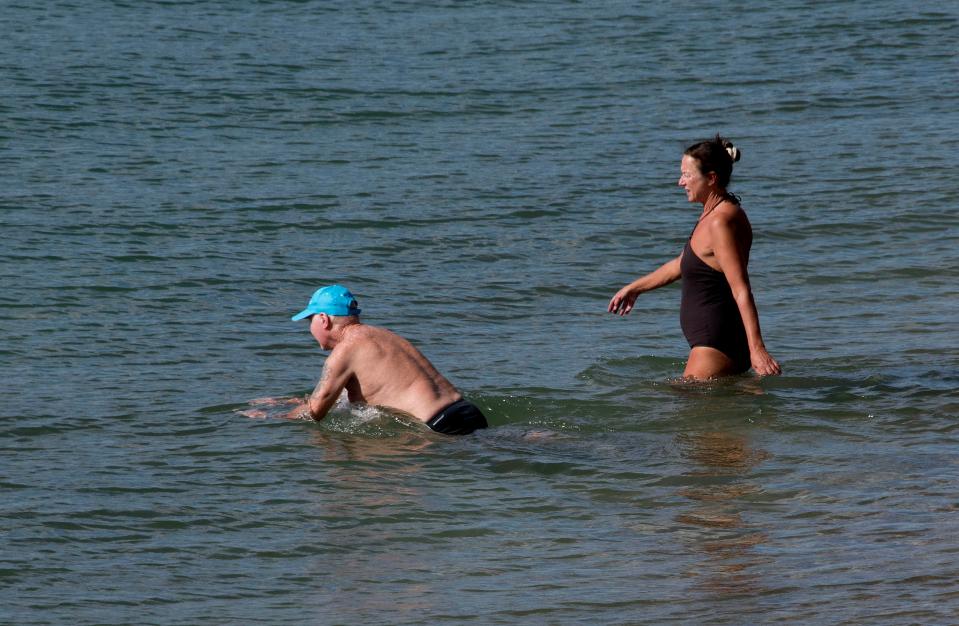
x,y
369,508
719,486
362,448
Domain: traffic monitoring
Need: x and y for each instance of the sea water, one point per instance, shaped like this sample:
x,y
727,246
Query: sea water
x,y
178,177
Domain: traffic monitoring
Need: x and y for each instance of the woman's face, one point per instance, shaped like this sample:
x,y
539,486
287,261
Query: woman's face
x,y
697,186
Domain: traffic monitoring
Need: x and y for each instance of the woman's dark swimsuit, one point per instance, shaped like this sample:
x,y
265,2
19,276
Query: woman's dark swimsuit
x,y
708,313
460,418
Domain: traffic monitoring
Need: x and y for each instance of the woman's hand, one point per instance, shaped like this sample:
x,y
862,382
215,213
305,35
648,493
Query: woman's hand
x,y
763,363
622,303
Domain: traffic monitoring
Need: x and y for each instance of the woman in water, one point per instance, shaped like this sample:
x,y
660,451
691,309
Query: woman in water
x,y
717,314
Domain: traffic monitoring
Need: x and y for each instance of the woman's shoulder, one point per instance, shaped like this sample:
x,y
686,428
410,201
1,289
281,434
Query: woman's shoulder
x,y
728,215
727,211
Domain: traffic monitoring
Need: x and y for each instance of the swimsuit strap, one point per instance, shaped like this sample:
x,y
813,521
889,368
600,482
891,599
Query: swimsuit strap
x,y
729,196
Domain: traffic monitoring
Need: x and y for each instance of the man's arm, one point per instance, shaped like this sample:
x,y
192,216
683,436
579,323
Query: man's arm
x,y
336,373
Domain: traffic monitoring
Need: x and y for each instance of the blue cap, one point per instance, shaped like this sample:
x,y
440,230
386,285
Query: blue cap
x,y
332,300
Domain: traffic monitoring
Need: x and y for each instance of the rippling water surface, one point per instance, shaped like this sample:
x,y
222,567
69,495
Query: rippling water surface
x,y
179,176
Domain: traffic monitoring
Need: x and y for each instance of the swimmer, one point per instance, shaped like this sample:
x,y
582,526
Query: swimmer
x,y
378,367
717,313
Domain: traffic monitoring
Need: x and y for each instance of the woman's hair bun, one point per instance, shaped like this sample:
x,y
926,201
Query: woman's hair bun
x,y
731,150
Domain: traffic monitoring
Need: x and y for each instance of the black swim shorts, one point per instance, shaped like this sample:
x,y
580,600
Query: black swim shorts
x,y
460,418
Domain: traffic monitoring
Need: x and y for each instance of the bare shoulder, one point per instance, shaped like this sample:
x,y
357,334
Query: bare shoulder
x,y
728,216
365,338
727,211
366,333
338,359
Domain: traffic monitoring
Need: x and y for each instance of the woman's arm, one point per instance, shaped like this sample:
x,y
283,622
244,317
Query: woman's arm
x,y
625,298
731,263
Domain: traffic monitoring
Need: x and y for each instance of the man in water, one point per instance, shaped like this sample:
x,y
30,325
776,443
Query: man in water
x,y
378,367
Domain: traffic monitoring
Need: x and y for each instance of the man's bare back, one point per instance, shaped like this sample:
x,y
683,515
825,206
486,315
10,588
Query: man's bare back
x,y
384,369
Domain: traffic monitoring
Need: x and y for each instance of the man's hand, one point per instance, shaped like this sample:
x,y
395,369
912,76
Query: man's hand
x,y
299,410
